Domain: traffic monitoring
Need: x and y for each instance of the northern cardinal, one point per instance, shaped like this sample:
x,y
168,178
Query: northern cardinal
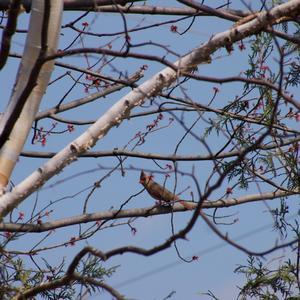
x,y
159,192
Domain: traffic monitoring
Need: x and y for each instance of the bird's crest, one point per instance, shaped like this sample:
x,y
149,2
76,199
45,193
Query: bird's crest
x,y
144,178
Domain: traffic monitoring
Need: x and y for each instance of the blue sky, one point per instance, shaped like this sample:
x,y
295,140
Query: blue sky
x,y
214,269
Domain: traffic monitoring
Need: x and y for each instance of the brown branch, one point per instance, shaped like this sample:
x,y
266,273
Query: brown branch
x,y
171,11
106,79
9,30
182,233
241,248
17,30
189,107
68,279
72,276
140,212
211,11
75,103
255,81
131,249
155,156
100,284
237,36
246,118
112,53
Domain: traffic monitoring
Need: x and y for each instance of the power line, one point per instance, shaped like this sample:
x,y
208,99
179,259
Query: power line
x,y
199,253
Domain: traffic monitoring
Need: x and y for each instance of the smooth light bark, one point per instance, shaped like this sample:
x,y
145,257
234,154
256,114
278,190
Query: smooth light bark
x,y
118,112
10,151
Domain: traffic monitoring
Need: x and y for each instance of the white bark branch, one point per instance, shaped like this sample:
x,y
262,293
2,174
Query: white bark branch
x,y
13,145
136,97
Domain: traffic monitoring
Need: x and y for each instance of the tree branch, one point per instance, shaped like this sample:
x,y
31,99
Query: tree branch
x,y
140,212
72,4
155,156
9,30
135,98
67,280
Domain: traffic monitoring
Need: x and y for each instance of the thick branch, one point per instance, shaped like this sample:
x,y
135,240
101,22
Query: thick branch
x,y
139,212
31,82
9,31
11,116
135,98
67,280
72,4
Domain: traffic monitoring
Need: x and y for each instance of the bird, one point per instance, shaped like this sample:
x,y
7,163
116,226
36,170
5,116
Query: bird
x,y
160,193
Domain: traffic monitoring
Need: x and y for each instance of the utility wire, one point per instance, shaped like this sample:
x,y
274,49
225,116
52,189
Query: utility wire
x,y
199,253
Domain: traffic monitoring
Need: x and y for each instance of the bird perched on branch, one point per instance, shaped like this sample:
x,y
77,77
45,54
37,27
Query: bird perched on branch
x,y
161,193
